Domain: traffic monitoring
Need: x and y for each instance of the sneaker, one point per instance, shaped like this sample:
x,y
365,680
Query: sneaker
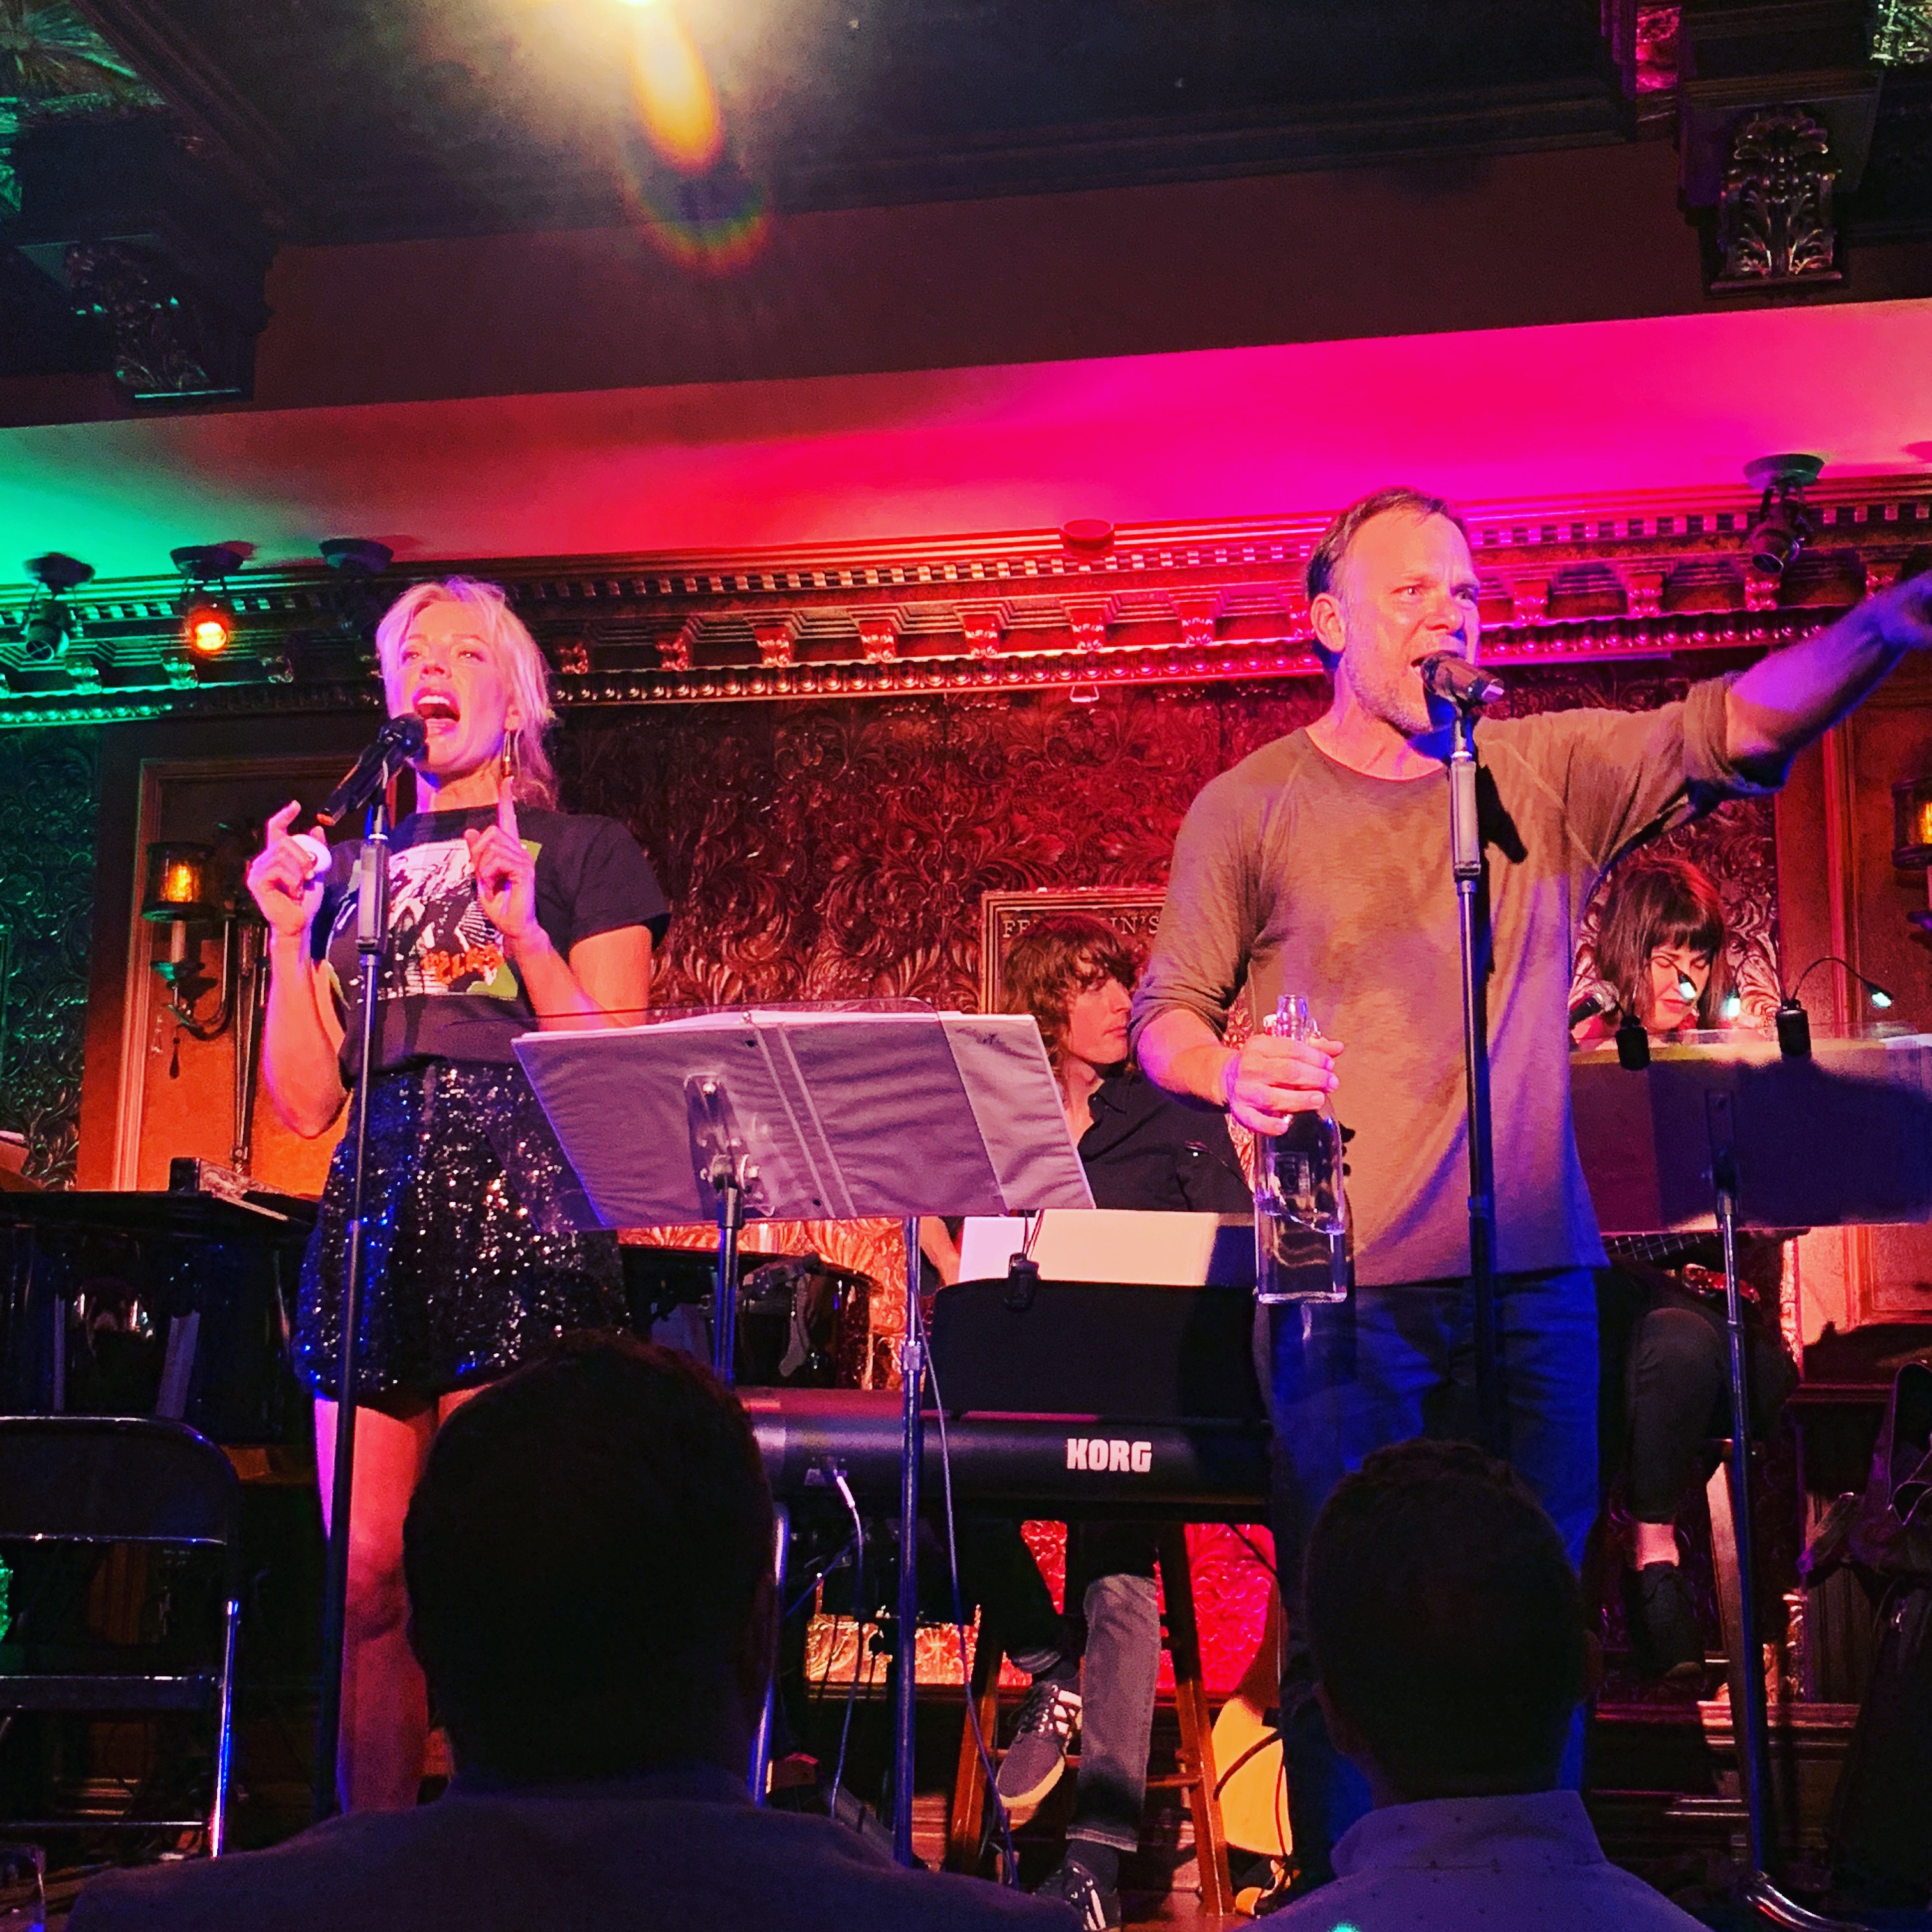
x,y
1037,1755
1269,1892
1666,1637
1073,1884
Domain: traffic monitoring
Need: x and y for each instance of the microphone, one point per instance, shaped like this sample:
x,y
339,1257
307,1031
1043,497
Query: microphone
x,y
1457,682
1589,1006
400,740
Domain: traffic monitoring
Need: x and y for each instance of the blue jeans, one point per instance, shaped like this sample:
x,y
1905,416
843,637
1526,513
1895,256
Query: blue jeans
x,y
1392,1364
1112,1625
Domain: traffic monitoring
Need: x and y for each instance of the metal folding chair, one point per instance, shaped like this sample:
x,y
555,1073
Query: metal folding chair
x,y
104,1479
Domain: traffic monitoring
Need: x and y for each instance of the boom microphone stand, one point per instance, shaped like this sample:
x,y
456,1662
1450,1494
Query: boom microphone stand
x,y
394,745
1465,690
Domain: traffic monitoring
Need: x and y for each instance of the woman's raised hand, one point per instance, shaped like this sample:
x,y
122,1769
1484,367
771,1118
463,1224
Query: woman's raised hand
x,y
506,875
287,876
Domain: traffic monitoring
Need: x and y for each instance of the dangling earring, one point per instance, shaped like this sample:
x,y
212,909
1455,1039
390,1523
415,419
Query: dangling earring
x,y
509,778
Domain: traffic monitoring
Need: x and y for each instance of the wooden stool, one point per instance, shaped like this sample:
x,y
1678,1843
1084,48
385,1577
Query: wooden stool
x,y
1194,1773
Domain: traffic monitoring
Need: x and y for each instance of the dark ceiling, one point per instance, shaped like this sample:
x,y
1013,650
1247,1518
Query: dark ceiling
x,y
357,118
155,154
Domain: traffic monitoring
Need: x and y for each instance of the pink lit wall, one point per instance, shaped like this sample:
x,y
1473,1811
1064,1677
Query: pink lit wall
x,y
1547,414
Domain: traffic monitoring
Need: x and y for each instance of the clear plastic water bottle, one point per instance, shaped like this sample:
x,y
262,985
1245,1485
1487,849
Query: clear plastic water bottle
x,y
1301,1210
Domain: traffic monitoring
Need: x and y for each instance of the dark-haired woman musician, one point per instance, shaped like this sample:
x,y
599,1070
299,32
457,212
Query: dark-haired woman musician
x,y
504,914
1660,955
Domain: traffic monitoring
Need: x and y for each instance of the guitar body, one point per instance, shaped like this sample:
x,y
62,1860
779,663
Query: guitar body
x,y
1253,1784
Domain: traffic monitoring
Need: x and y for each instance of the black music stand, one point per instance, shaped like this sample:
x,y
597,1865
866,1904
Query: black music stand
x,y
1841,1139
840,1112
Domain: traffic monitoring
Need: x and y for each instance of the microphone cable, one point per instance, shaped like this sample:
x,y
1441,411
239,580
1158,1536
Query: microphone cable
x,y
844,1489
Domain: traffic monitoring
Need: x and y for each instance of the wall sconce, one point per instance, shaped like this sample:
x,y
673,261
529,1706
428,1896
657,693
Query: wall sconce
x,y
1911,839
182,891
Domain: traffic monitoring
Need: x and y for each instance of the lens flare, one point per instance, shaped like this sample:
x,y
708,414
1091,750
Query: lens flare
x,y
677,103
711,226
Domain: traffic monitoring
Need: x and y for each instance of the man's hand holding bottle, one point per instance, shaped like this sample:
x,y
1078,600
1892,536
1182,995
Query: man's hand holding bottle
x,y
1268,1079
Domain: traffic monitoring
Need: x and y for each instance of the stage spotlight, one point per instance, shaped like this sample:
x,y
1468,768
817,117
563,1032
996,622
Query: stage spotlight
x,y
1783,526
1087,533
207,613
356,557
207,626
49,623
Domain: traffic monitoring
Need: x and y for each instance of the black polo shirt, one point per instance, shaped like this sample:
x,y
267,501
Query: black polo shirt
x,y
1150,1148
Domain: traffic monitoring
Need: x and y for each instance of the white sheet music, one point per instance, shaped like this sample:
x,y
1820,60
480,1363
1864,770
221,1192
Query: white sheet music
x,y
845,1112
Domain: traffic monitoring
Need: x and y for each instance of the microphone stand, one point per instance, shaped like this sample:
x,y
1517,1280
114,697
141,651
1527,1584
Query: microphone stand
x,y
372,931
1751,1723
912,1457
1466,854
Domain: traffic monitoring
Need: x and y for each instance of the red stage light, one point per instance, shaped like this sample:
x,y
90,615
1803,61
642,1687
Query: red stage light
x,y
207,629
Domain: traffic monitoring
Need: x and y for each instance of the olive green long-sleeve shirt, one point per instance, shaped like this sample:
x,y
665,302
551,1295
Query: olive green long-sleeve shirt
x,y
1293,873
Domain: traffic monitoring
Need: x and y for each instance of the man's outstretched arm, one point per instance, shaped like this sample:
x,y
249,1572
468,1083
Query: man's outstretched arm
x,y
1785,700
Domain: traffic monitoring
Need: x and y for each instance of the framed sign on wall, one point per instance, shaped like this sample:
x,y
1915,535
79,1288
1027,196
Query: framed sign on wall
x,y
1133,911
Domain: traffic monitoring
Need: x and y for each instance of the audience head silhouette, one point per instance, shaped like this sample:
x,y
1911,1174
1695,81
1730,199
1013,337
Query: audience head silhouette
x,y
588,1562
1446,1625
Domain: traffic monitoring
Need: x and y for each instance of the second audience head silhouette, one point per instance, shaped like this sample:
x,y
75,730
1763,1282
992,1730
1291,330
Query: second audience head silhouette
x,y
588,1557
1446,1625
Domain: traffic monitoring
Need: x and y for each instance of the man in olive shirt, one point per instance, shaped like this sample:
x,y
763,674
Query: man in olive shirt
x,y
1320,865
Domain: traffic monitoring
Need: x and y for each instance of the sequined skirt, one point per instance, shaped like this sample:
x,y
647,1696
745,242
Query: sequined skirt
x,y
472,1263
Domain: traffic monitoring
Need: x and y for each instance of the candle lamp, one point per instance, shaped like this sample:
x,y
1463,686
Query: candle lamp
x,y
183,891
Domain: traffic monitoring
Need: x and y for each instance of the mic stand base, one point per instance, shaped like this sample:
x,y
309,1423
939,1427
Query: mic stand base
x,y
1764,1901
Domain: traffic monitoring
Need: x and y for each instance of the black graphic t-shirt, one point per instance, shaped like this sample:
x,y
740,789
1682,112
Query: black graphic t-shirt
x,y
449,989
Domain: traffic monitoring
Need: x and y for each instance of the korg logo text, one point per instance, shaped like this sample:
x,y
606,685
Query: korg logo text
x,y
1107,1454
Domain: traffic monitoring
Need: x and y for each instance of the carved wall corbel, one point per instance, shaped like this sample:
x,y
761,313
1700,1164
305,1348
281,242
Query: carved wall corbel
x,y
1775,222
1643,589
675,654
777,643
1776,104
1197,616
161,260
982,627
878,636
1529,600
1088,624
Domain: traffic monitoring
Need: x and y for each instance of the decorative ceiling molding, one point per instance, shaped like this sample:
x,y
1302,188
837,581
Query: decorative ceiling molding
x,y
229,131
1566,584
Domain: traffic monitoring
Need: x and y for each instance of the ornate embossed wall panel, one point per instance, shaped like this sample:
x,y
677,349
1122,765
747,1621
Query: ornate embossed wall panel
x,y
49,803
